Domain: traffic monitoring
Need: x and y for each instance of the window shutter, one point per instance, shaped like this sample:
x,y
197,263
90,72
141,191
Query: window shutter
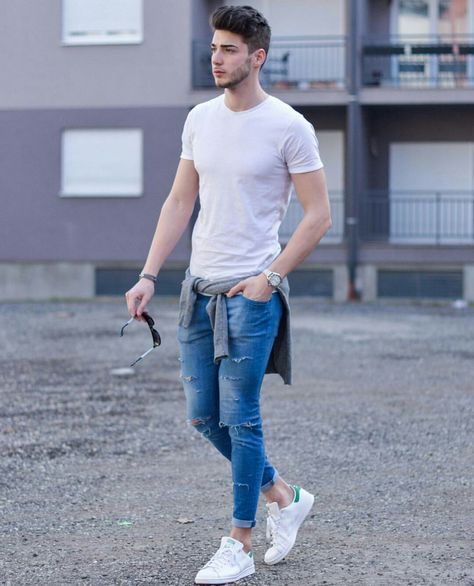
x,y
102,163
102,21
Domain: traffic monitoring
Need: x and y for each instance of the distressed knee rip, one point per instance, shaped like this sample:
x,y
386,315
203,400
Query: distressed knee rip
x,y
186,378
190,379
241,485
199,421
241,359
239,426
202,425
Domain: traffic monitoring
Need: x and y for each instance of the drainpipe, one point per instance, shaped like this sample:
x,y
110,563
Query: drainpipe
x,y
352,217
353,142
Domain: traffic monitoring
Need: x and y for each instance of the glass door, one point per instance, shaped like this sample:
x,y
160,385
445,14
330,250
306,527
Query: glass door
x,y
436,18
452,27
411,23
436,32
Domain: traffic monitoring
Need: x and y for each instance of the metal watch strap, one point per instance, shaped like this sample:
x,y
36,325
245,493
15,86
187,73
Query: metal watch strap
x,y
269,274
147,276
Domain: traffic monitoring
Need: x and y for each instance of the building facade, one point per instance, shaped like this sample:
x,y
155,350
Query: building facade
x,y
95,94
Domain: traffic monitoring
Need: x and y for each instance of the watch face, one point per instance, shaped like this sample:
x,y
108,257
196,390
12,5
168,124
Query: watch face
x,y
274,280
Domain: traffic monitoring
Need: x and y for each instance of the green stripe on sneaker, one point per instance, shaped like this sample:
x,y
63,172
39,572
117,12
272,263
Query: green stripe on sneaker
x,y
296,488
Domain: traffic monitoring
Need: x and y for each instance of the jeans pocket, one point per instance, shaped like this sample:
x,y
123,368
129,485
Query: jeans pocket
x,y
256,301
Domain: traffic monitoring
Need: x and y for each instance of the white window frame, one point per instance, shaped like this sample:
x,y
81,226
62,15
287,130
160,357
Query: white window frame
x,y
85,174
102,34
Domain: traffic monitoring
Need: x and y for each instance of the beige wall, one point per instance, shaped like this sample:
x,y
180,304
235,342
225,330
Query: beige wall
x,y
303,17
38,72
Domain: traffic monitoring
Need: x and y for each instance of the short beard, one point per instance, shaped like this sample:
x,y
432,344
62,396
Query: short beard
x,y
238,76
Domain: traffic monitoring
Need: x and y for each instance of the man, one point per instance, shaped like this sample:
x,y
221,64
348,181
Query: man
x,y
241,152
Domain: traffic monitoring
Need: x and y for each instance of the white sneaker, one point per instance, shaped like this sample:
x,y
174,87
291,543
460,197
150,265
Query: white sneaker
x,y
283,524
228,564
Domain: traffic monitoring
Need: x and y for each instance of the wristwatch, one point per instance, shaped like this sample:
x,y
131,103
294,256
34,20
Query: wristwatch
x,y
274,279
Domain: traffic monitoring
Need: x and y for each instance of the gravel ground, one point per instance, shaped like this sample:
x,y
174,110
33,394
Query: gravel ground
x,y
103,482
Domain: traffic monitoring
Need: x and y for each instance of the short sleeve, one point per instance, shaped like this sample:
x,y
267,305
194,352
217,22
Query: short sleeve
x,y
187,139
301,147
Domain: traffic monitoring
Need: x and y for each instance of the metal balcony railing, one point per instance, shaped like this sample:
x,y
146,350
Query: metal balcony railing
x,y
294,215
293,63
419,61
398,217
418,217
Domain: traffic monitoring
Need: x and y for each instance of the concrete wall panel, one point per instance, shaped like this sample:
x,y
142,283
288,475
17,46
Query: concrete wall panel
x,y
413,124
378,18
25,281
37,224
39,72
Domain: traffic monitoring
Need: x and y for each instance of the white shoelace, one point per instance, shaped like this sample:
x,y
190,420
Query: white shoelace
x,y
272,528
221,558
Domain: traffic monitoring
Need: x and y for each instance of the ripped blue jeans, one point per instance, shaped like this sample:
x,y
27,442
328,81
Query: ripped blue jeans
x,y
223,400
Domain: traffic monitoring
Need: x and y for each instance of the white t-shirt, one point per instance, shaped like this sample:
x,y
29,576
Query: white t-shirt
x,y
244,160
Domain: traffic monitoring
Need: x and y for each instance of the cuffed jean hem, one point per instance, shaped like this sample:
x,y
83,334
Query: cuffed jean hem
x,y
243,524
270,483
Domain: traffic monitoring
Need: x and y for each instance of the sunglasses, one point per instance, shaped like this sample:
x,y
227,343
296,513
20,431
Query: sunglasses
x,y
154,334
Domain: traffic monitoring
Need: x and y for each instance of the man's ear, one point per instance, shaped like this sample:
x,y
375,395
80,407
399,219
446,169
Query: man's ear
x,y
260,56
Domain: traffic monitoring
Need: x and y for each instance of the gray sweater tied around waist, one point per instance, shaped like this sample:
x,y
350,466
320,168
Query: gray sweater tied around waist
x,y
280,356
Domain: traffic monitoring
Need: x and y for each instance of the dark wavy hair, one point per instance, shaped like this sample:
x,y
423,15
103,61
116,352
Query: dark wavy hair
x,y
246,22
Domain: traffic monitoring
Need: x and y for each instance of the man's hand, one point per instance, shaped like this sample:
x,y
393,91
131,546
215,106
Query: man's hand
x,y
138,297
256,288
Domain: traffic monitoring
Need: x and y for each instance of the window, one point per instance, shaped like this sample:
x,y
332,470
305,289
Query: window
x,y
102,22
308,44
447,18
453,17
102,163
440,35
298,18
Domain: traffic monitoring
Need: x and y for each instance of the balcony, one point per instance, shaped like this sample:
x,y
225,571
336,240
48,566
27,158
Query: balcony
x,y
301,63
418,62
295,213
398,217
418,217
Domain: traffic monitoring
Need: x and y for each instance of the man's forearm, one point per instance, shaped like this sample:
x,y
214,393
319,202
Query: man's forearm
x,y
303,241
174,218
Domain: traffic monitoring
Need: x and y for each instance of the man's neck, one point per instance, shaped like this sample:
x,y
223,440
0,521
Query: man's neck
x,y
243,97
